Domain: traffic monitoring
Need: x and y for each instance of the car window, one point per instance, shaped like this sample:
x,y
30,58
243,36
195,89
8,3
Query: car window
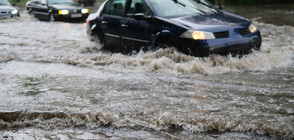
x,y
172,8
62,2
36,2
106,7
43,2
114,7
137,6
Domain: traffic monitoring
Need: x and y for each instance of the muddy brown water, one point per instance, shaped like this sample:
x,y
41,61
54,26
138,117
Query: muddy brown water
x,y
55,84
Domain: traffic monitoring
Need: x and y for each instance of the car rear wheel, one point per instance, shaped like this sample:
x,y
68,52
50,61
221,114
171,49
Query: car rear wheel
x,y
95,37
98,39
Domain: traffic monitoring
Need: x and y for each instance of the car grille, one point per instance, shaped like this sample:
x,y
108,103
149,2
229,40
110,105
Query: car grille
x,y
244,31
4,12
224,34
75,11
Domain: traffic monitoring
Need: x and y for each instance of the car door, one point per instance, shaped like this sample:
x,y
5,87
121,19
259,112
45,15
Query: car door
x,y
110,22
29,5
42,9
136,33
33,7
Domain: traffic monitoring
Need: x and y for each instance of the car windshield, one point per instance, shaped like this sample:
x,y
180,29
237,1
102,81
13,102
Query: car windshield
x,y
4,2
175,8
72,2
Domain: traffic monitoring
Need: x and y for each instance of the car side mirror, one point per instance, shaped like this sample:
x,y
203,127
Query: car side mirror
x,y
13,4
141,16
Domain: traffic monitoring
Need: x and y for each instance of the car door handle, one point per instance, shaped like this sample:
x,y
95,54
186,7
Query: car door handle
x,y
124,26
104,22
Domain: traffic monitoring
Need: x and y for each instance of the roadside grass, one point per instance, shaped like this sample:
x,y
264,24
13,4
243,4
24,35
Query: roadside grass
x,y
18,2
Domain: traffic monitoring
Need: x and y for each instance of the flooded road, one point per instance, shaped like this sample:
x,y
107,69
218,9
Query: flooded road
x,y
56,84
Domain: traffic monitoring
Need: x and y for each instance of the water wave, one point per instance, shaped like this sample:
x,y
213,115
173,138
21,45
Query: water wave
x,y
152,120
71,46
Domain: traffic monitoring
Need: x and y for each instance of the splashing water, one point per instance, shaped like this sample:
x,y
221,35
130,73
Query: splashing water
x,y
56,84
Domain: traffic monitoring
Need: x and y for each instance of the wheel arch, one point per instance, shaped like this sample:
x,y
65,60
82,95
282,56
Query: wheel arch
x,y
166,35
94,30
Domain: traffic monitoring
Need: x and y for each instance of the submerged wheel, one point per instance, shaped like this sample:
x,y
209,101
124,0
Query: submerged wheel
x,y
256,48
30,11
95,37
51,17
162,43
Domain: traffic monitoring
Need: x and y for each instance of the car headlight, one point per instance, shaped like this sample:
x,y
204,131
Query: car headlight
x,y
14,12
85,11
198,35
252,28
63,12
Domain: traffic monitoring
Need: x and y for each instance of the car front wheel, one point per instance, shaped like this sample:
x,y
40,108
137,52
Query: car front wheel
x,y
30,11
163,42
51,17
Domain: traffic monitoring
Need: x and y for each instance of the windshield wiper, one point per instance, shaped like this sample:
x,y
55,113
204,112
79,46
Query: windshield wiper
x,y
207,5
176,1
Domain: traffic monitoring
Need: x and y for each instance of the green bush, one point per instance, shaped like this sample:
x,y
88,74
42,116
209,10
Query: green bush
x,y
19,2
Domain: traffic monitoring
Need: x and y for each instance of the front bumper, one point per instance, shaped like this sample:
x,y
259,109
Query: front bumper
x,y
234,45
70,16
8,15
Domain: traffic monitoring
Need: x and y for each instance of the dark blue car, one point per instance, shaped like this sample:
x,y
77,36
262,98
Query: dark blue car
x,y
53,10
194,27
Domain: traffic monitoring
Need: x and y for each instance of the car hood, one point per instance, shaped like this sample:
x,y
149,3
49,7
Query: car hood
x,y
67,7
212,22
7,7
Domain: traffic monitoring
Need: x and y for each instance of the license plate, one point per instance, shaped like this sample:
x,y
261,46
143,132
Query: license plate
x,y
76,15
5,16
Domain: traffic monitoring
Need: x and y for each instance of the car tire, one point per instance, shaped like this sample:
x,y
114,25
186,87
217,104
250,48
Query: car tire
x,y
256,48
30,11
51,17
97,39
163,42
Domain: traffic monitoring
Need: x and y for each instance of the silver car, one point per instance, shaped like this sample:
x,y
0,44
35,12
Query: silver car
x,y
7,10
